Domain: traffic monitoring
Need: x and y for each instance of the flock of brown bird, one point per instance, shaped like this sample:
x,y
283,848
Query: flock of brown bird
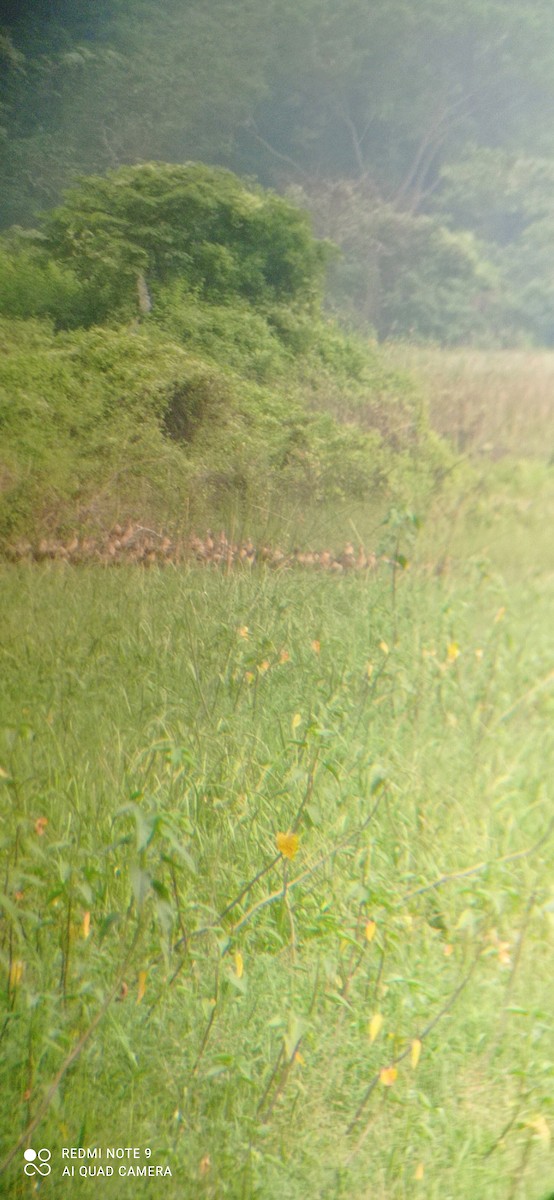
x,y
137,544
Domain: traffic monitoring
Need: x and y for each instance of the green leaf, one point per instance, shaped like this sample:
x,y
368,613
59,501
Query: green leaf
x,y
106,924
296,1029
240,985
141,882
378,780
161,890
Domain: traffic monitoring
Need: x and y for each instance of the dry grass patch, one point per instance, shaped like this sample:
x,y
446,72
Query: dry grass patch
x,y
488,402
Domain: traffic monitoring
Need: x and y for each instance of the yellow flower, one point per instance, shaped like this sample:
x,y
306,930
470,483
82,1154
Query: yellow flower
x,y
415,1052
387,1075
204,1165
375,1026
16,974
541,1129
504,954
287,844
141,987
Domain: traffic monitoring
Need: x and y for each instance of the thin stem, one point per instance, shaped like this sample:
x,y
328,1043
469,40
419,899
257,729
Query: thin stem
x,y
424,1033
71,1058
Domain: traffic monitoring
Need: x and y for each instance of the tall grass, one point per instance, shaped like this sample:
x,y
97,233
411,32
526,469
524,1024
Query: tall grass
x,y
493,403
360,1008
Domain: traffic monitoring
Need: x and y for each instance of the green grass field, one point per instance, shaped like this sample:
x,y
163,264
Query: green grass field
x,y
362,1008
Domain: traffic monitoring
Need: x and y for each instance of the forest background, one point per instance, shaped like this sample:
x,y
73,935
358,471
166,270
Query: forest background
x,y
420,136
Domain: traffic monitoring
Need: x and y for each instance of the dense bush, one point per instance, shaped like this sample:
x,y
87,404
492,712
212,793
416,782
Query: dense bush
x,y
33,284
201,225
107,422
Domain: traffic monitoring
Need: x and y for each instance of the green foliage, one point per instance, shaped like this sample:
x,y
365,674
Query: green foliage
x,y
390,91
434,283
406,275
202,226
77,411
529,276
495,193
33,284
507,199
115,85
234,334
100,422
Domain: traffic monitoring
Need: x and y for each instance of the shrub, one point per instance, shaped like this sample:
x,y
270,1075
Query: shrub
x,y
199,224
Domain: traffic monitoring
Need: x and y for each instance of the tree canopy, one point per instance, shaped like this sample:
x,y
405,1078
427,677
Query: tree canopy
x,y
199,225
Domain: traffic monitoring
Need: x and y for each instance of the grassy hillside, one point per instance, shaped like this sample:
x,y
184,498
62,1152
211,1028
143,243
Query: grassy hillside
x,y
218,420
165,360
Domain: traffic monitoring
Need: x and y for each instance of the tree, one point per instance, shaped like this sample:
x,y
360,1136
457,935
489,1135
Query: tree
x,y
404,274
390,90
199,225
495,193
168,82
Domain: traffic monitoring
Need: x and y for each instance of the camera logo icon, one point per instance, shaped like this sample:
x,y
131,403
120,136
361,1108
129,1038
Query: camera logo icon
x,y
37,1162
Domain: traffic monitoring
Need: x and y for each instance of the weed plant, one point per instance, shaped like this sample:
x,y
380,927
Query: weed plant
x,y
106,424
